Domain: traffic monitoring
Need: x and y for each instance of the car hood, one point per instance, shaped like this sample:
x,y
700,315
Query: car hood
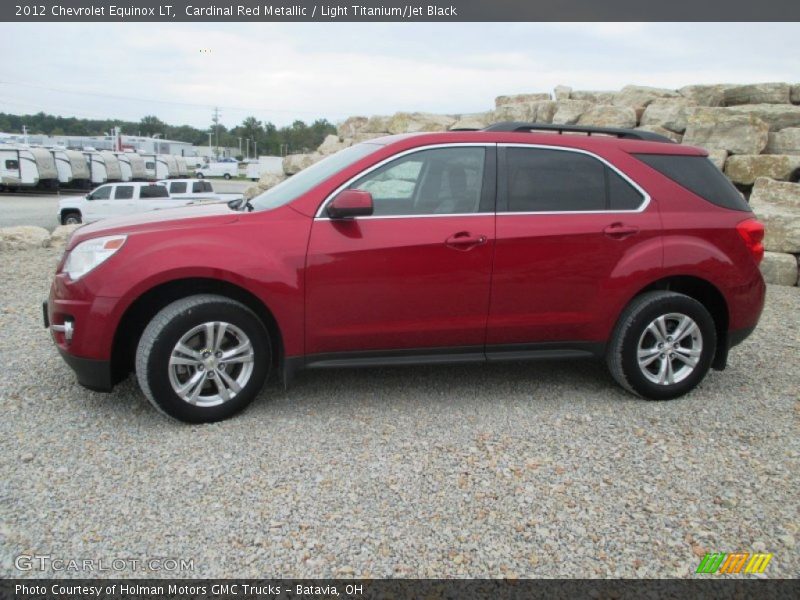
x,y
197,215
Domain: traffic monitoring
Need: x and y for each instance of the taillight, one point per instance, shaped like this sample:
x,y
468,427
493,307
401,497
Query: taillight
x,y
752,232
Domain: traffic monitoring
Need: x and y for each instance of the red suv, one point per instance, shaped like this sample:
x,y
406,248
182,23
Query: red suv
x,y
507,243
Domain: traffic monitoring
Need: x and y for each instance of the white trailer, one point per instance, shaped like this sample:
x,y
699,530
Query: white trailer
x,y
76,162
113,170
17,168
97,167
183,168
46,165
63,166
263,165
132,166
172,165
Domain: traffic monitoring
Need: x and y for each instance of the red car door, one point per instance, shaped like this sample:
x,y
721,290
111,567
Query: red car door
x,y
574,235
416,274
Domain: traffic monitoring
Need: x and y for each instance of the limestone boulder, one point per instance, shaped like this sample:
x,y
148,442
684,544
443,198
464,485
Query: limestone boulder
x,y
294,163
333,143
785,141
23,237
794,95
744,169
364,137
758,93
61,235
704,95
562,92
265,182
376,124
777,116
351,127
414,122
520,99
609,116
675,137
718,157
541,111
640,96
779,268
474,121
593,97
713,128
569,111
669,113
777,205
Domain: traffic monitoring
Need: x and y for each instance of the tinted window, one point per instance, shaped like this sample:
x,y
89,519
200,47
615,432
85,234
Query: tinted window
x,y
177,187
12,164
621,194
102,193
207,186
436,181
150,166
698,175
153,191
197,187
554,180
124,192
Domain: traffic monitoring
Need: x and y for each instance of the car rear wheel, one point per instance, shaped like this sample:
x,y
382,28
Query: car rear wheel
x,y
227,176
71,218
203,358
199,175
663,345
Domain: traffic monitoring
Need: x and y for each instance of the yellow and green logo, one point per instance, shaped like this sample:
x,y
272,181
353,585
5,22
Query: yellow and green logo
x,y
721,562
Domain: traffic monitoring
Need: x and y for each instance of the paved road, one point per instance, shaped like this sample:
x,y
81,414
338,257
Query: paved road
x,y
41,209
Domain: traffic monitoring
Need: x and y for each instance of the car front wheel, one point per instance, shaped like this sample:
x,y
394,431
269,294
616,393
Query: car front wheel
x,y
203,358
662,346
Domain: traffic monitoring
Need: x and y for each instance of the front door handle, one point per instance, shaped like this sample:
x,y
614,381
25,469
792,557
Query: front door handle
x,y
464,240
619,231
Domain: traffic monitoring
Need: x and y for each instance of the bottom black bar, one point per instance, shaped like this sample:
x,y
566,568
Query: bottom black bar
x,y
711,587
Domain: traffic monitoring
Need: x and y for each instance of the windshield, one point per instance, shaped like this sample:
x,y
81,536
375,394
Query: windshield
x,y
299,184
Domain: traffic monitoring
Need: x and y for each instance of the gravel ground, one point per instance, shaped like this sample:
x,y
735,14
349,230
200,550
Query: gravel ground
x,y
530,470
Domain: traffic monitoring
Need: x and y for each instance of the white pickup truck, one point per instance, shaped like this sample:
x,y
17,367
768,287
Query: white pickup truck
x,y
114,199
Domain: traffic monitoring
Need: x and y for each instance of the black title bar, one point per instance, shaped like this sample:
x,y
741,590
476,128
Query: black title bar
x,y
398,10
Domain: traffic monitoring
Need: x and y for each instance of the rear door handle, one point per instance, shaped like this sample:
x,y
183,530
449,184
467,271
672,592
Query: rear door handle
x,y
620,230
464,240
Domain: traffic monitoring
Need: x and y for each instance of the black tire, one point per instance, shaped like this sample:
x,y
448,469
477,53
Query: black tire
x,y
168,327
199,175
227,176
623,350
71,218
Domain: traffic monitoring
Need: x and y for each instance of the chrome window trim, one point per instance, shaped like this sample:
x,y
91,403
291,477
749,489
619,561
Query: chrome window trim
x,y
636,186
320,214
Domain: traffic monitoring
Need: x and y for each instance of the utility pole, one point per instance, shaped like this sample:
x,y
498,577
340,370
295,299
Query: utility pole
x,y
24,134
248,147
240,146
215,120
255,149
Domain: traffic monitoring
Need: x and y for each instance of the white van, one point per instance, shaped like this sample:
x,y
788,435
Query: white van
x,y
226,169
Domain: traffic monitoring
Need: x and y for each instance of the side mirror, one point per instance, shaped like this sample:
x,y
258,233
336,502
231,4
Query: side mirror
x,y
351,203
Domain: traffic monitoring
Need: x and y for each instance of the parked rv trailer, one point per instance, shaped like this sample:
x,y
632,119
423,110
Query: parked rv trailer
x,y
113,170
81,176
97,167
183,168
172,165
45,165
63,166
132,166
17,168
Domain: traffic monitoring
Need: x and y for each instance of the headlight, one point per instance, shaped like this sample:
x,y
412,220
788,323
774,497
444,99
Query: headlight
x,y
90,254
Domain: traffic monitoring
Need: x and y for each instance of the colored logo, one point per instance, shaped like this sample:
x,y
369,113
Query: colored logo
x,y
720,562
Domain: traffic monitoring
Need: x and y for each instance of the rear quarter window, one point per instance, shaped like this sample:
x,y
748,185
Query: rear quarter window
x,y
153,191
699,175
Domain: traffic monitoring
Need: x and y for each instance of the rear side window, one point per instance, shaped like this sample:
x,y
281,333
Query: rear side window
x,y
123,192
12,164
207,186
699,175
177,187
153,191
541,180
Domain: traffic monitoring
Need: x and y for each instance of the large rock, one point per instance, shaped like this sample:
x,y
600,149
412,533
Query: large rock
x,y
562,92
704,95
593,97
794,95
61,235
758,93
777,116
713,128
718,157
23,237
569,111
414,122
376,124
332,144
669,113
294,163
777,205
532,112
364,137
779,268
351,127
640,96
675,137
785,141
265,182
609,116
746,168
519,99
474,121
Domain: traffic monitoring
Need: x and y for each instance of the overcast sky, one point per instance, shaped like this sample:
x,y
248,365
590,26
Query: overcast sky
x,y
287,71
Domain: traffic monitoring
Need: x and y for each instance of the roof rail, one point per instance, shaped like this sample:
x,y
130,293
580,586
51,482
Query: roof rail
x,y
628,134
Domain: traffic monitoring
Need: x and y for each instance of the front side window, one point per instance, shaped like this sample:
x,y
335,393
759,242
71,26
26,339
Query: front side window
x,y
12,164
153,191
124,192
435,181
101,193
197,187
177,187
206,186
